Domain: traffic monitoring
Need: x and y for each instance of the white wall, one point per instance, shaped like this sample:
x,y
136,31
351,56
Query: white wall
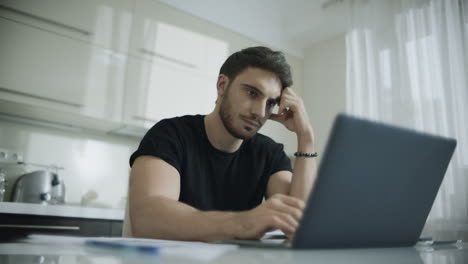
x,y
325,85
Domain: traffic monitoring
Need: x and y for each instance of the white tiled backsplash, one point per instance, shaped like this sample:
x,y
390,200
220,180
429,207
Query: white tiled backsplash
x,y
91,161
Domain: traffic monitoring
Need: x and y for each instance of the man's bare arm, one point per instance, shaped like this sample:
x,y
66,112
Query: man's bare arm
x,y
293,115
297,185
156,212
305,170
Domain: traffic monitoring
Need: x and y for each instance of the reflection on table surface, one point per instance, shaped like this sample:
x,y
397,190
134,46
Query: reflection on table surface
x,y
71,254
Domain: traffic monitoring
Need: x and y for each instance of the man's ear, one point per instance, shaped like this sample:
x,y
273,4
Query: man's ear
x,y
222,84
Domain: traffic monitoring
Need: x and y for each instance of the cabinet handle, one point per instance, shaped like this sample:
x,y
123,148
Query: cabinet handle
x,y
42,227
46,20
38,97
155,54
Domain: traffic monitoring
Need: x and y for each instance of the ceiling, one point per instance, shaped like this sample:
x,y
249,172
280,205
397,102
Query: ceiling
x,y
289,25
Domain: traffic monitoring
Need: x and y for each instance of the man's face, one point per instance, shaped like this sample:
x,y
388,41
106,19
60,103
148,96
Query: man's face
x,y
248,101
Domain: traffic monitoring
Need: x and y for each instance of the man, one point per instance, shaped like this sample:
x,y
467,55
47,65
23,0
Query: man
x,y
204,177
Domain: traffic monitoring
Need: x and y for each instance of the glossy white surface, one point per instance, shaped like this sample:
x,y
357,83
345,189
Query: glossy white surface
x,y
92,162
161,56
67,254
61,210
26,44
105,23
118,62
67,76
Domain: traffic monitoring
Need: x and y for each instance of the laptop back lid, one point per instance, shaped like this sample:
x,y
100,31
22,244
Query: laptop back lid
x,y
376,185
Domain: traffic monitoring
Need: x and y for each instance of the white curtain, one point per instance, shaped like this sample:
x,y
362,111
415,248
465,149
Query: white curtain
x,y
407,64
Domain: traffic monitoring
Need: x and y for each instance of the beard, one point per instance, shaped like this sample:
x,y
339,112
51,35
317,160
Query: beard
x,y
227,118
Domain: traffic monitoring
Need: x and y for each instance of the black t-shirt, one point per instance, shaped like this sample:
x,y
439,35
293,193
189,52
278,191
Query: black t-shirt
x,y
212,179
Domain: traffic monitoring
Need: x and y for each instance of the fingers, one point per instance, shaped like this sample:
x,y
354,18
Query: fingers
x,y
289,91
278,212
277,117
286,213
289,101
286,104
285,223
282,207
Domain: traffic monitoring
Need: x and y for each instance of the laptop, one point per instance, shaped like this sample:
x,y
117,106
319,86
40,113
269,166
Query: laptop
x,y
376,185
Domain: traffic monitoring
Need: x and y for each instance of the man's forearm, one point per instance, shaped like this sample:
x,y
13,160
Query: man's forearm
x,y
305,169
173,220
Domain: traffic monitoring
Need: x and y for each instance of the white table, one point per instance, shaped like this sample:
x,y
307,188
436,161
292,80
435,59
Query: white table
x,y
71,254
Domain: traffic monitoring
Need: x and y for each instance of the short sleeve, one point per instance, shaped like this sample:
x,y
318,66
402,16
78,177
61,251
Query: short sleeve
x,y
161,141
281,161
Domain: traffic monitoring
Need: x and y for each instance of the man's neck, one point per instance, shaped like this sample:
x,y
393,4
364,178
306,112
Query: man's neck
x,y
218,135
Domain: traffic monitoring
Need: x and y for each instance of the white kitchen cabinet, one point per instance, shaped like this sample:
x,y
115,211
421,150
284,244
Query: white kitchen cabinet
x,y
26,218
57,73
173,65
42,65
105,23
157,89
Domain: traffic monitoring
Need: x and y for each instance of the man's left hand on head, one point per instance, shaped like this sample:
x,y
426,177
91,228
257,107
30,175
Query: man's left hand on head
x,y
292,113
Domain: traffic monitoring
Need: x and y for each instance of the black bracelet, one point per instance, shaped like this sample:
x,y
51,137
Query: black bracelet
x,y
307,155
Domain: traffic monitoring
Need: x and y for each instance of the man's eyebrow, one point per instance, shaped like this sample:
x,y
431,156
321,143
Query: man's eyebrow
x,y
253,88
276,100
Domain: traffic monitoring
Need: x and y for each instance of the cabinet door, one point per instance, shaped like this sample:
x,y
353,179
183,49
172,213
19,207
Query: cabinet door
x,y
27,224
116,228
161,31
174,65
158,89
42,65
106,23
41,68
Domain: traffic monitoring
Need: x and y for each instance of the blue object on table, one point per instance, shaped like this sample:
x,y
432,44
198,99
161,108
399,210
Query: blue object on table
x,y
122,246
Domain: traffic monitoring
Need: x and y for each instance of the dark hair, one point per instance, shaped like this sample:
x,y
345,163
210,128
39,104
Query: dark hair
x,y
258,57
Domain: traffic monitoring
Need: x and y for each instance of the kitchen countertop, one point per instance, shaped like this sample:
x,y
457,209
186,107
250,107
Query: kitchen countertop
x,y
61,211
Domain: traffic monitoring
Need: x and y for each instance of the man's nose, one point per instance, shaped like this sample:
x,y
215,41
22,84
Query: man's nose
x,y
259,109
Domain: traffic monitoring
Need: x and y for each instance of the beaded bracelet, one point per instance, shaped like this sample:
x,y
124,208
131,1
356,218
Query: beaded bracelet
x,y
307,155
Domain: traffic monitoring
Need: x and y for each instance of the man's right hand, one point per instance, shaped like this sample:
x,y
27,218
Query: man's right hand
x,y
278,212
